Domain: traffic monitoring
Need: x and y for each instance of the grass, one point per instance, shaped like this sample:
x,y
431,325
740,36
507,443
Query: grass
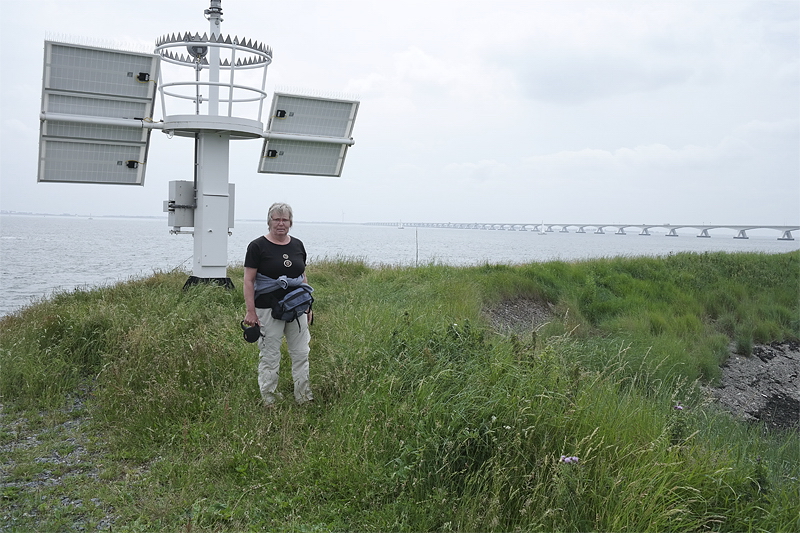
x,y
426,419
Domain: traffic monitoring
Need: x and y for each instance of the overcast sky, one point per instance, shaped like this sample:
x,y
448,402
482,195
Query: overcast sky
x,y
492,111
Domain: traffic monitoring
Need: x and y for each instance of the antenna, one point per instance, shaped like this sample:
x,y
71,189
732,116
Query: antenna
x,y
96,119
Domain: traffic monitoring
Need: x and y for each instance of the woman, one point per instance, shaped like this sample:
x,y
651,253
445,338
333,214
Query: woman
x,y
275,264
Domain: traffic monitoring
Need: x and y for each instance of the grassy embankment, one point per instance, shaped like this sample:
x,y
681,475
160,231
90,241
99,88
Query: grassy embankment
x,y
425,420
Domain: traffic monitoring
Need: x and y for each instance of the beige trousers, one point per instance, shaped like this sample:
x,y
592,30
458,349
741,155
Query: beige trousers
x,y
297,338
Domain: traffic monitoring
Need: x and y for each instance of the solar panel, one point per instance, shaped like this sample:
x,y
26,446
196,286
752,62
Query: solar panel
x,y
302,157
312,116
94,102
307,135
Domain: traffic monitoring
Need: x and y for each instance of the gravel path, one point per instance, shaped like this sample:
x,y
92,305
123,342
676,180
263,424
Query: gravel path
x,y
55,454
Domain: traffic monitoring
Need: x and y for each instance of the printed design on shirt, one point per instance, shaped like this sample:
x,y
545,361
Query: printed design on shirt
x,y
287,263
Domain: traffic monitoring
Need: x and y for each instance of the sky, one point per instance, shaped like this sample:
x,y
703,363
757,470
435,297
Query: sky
x,y
516,111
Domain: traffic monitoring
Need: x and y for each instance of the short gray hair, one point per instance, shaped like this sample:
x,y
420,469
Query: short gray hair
x,y
279,208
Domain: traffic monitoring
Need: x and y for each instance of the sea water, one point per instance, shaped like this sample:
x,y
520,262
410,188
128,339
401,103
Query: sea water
x,y
40,255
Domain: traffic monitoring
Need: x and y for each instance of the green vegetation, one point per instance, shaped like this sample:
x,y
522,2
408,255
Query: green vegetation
x,y
426,419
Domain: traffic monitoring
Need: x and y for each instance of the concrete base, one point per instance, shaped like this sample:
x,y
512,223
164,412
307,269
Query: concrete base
x,y
194,280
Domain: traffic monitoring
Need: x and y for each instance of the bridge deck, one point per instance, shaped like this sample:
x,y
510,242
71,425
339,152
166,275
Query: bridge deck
x,y
644,229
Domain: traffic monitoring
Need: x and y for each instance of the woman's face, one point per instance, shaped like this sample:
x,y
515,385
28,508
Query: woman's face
x,y
279,223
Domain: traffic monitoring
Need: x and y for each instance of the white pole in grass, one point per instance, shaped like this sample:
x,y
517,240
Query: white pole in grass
x,y
416,242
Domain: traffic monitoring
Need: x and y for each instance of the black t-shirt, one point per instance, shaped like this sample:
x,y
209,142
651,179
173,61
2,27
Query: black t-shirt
x,y
275,260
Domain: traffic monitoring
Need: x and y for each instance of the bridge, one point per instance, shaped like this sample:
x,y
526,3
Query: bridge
x,y
618,229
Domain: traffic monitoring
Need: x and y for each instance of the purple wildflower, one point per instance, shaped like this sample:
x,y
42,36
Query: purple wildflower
x,y
569,459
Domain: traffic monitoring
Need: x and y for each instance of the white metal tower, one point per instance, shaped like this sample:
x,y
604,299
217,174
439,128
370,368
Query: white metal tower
x,y
97,109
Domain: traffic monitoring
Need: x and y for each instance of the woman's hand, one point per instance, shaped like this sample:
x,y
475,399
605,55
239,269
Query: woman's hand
x,y
251,319
310,314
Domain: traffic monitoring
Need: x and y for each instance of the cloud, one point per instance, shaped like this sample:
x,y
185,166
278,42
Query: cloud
x,y
578,79
579,52
485,170
745,145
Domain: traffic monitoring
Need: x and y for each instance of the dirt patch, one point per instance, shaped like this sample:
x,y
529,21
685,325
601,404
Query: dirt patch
x,y
519,315
762,387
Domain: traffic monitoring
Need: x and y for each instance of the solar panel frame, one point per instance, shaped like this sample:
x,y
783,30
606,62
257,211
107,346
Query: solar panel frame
x,y
302,157
87,82
306,117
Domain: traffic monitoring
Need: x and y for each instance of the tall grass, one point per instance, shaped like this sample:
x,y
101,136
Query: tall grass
x,y
426,419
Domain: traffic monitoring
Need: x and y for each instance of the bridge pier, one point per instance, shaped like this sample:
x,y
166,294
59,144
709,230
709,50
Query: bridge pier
x,y
787,236
741,235
672,233
704,233
644,232
620,231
